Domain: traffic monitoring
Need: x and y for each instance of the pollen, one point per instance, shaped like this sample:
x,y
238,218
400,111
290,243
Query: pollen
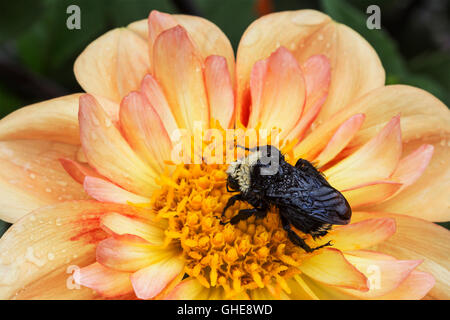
x,y
255,253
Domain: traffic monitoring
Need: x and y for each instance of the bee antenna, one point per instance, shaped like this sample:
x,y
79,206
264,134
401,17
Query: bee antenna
x,y
246,148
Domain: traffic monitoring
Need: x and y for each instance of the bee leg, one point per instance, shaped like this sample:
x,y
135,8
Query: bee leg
x,y
295,239
230,203
243,214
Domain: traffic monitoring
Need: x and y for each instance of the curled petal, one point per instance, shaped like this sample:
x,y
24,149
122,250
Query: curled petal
x,y
117,225
307,33
113,65
425,198
144,130
32,177
384,275
127,253
53,120
102,142
208,38
105,191
415,287
78,171
340,139
305,122
158,22
178,67
42,250
343,274
220,90
419,239
280,92
370,193
360,235
153,92
380,106
151,281
188,289
410,168
376,160
109,283
317,72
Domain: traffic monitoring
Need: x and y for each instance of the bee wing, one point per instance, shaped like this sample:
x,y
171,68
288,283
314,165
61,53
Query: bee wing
x,y
325,203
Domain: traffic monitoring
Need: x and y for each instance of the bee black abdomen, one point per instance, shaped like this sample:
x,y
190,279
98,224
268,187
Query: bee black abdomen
x,y
303,196
331,200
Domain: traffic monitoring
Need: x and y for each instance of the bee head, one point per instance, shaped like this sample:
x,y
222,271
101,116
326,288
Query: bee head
x,y
240,171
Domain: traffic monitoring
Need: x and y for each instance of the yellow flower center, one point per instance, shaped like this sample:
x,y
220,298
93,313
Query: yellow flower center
x,y
255,253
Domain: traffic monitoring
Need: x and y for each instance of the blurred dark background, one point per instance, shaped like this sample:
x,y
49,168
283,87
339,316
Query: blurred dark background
x,y
37,51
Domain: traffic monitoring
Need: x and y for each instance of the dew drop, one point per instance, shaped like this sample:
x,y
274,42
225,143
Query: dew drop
x,y
108,122
29,256
62,183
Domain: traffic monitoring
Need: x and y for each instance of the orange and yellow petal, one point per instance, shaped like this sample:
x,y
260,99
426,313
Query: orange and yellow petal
x,y
371,192
107,282
376,160
144,130
102,141
360,235
130,253
278,92
155,96
355,64
143,227
219,88
178,67
151,281
41,251
340,139
419,239
77,170
31,176
342,274
113,65
52,120
384,274
105,191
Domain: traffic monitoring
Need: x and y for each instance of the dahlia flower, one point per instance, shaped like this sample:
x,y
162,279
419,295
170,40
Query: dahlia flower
x,y
101,211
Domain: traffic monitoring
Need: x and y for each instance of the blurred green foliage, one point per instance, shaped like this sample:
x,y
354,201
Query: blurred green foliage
x,y
413,43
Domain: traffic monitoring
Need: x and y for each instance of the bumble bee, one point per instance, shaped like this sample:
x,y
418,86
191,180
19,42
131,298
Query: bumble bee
x,y
302,195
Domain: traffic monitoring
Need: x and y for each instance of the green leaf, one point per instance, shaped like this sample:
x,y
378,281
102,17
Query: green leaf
x,y
3,227
8,102
435,64
232,17
444,224
123,12
17,16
